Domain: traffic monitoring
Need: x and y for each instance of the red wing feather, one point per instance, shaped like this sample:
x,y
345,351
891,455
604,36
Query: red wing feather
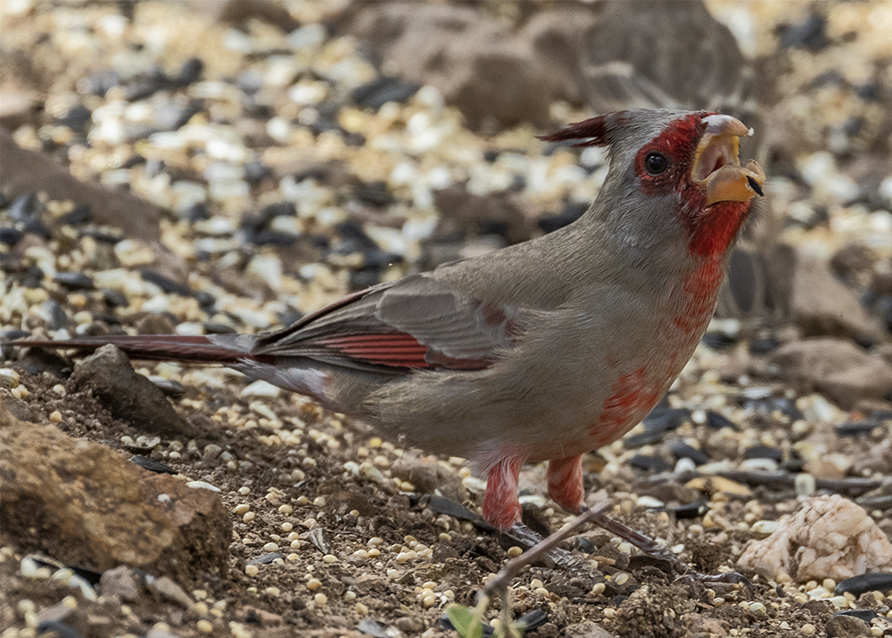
x,y
416,323
395,350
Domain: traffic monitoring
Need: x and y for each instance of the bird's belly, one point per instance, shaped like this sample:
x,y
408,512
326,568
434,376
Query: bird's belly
x,y
641,382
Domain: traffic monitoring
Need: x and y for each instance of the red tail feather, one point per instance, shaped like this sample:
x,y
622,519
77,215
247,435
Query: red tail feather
x,y
184,349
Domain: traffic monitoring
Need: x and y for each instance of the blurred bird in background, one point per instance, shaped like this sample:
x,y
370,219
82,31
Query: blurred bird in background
x,y
675,54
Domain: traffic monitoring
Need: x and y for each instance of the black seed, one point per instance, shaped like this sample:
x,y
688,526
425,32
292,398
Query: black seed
x,y
146,86
764,345
80,215
857,585
23,207
10,236
37,227
168,386
533,620
763,452
681,450
718,341
98,235
256,172
855,428
716,421
690,510
755,186
861,614
114,298
204,298
151,464
190,72
376,94
266,558
214,328
166,284
649,463
76,119
272,238
58,318
197,212
74,280
656,425
374,193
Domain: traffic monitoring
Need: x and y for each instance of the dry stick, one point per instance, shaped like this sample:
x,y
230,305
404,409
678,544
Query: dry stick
x,y
513,566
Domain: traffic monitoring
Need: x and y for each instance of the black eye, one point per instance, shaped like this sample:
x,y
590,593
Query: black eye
x,y
656,163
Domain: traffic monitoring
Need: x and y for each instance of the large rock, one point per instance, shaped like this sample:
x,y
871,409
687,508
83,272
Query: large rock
x,y
828,537
127,394
821,305
85,505
23,171
836,368
474,59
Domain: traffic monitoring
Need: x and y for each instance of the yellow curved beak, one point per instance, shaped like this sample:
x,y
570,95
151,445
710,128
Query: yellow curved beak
x,y
716,166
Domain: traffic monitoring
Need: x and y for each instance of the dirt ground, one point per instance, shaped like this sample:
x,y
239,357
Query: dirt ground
x,y
357,536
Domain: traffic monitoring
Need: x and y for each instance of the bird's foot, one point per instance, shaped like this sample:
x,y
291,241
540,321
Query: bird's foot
x,y
526,538
544,546
651,548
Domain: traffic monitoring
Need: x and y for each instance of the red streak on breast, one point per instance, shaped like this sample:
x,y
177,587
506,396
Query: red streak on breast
x,y
632,397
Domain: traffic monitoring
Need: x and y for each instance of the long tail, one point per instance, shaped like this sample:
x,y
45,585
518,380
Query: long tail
x,y
184,349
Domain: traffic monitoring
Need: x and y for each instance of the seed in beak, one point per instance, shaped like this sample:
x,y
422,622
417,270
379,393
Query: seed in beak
x,y
755,186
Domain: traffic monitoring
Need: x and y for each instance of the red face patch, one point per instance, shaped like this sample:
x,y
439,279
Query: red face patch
x,y
664,164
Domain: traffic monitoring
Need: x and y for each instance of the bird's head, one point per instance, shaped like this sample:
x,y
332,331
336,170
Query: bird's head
x,y
677,167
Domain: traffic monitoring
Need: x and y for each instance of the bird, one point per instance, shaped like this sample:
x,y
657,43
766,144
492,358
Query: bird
x,y
540,351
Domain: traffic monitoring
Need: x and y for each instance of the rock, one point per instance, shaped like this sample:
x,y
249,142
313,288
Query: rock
x,y
63,620
23,171
152,324
18,408
821,305
430,477
846,627
171,591
120,582
474,59
704,626
585,629
87,505
836,368
410,624
878,458
555,35
828,537
500,213
128,395
235,11
21,90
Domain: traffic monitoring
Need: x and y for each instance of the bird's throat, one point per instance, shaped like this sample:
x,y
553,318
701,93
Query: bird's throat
x,y
715,228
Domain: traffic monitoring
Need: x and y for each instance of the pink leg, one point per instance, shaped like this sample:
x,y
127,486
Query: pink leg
x,y
565,483
501,508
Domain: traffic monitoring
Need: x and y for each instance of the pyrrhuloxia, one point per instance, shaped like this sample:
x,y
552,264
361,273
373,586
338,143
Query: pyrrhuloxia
x,y
540,351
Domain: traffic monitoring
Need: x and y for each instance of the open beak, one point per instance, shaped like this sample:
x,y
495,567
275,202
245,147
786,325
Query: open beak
x,y
716,166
